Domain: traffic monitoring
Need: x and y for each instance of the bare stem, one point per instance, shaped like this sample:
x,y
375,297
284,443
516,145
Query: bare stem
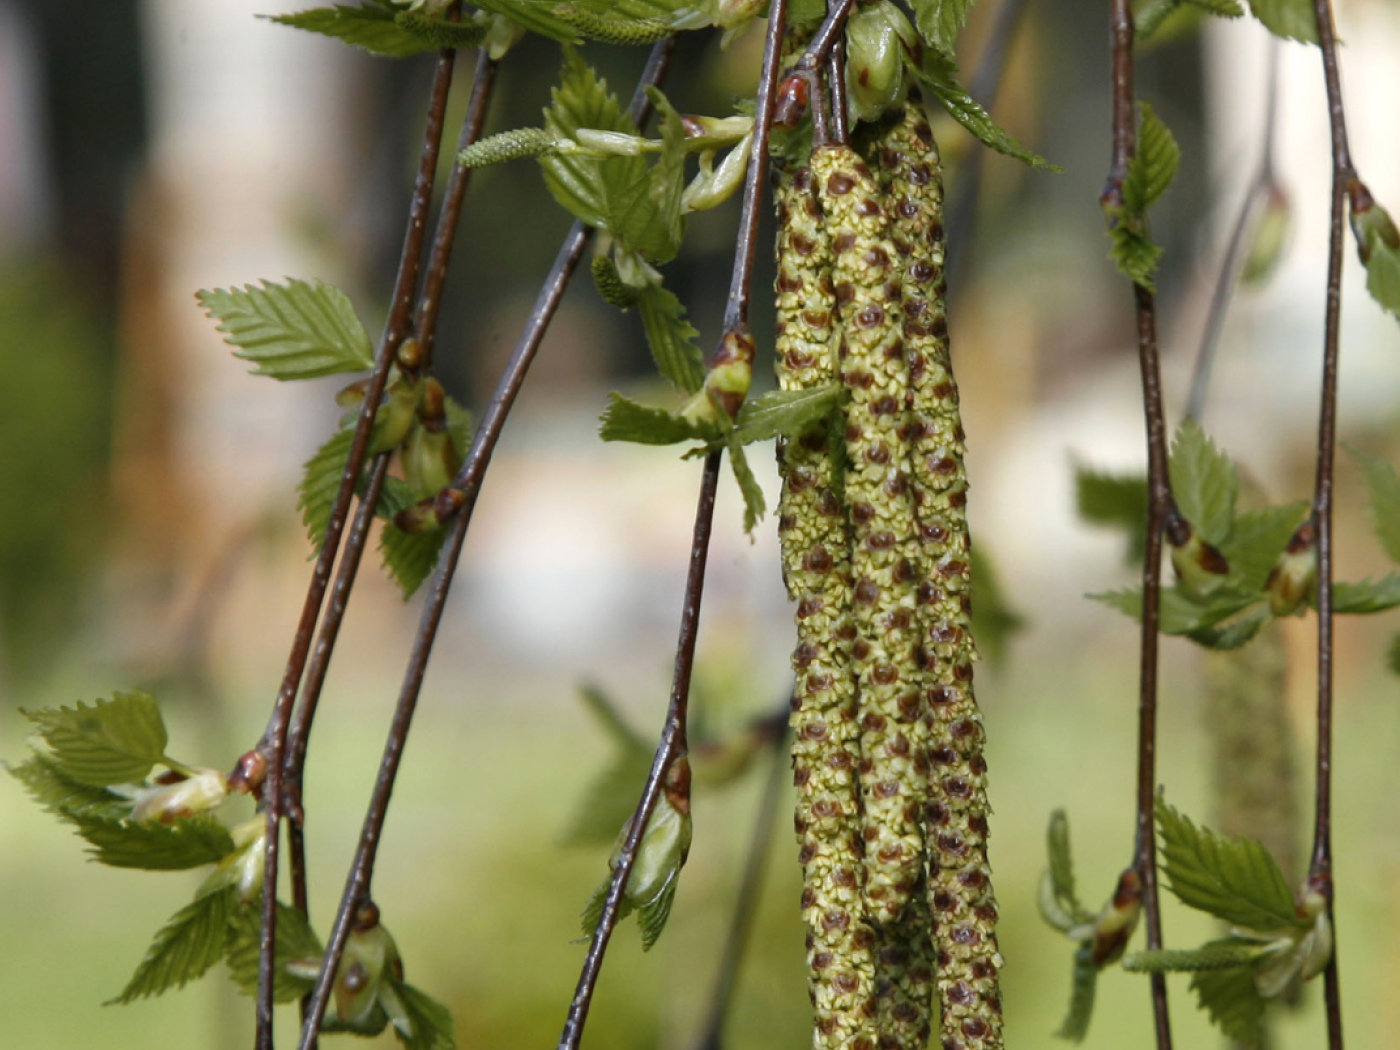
x,y
1343,174
273,744
826,37
1160,508
672,744
469,481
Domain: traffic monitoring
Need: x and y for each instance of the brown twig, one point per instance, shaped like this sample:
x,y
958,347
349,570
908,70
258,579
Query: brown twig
x,y
826,37
1161,508
672,744
273,744
1261,188
1343,175
468,481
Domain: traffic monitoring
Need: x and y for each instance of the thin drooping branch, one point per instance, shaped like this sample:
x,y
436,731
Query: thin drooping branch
x,y
1343,176
826,37
468,482
424,330
1257,195
983,87
1161,508
672,745
750,883
273,744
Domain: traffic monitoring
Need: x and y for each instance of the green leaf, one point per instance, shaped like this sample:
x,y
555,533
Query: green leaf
x,y
605,711
754,504
940,21
291,331
994,620
320,481
188,843
645,215
1232,1001
185,948
1116,501
371,26
459,425
1232,635
70,799
1204,483
937,75
1149,15
423,1023
610,800
652,916
296,943
1179,614
1059,905
1085,979
593,911
671,337
1226,954
1383,484
410,557
1234,879
1257,538
114,741
1383,276
785,413
1134,254
626,420
533,15
1290,19
1368,596
1153,165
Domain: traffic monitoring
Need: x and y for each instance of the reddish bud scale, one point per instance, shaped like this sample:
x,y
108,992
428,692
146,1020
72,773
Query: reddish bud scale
x,y
884,539
816,568
961,901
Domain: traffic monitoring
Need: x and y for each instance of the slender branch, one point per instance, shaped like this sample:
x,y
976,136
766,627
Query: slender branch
x,y
825,38
1260,189
984,87
1343,175
750,883
840,106
672,744
468,481
1161,511
274,740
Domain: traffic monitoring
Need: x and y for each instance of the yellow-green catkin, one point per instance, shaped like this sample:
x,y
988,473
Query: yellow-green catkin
x,y
814,533
884,544
961,901
904,979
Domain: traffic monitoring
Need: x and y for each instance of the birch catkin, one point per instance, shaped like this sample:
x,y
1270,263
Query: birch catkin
x,y
813,529
884,544
961,901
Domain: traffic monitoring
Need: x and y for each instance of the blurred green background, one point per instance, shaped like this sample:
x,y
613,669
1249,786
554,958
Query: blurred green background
x,y
148,535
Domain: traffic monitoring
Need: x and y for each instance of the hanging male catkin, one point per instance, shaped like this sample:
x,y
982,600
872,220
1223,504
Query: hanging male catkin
x,y
884,543
814,533
961,902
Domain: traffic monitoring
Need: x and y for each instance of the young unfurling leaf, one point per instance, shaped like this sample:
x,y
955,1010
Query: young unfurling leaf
x,y
114,741
1234,879
1383,277
940,21
1149,174
1084,979
1115,501
420,1021
626,420
1059,906
612,798
296,330
194,939
1179,614
297,957
1204,482
785,413
371,26
671,337
1383,485
1368,596
410,557
189,843
69,799
1232,1001
1256,539
1290,19
937,75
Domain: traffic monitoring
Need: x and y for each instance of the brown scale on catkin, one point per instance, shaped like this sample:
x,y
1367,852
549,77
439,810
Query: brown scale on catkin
x,y
884,544
814,533
961,901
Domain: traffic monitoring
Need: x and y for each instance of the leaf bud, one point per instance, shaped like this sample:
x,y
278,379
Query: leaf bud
x,y
243,868
703,132
612,143
666,842
1118,920
409,355
1200,567
879,39
722,762
1270,237
727,382
248,773
503,35
353,396
731,14
613,289
713,186
1370,223
793,95
429,460
1293,578
167,803
395,417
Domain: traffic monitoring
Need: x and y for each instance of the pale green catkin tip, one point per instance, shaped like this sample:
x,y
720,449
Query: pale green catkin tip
x,y
440,33
607,30
516,144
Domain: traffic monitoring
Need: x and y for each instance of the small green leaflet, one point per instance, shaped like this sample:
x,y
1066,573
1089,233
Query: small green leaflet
x,y
1059,904
1224,954
296,330
652,916
1179,614
189,843
1114,501
114,741
1257,538
785,413
192,941
1383,276
1204,482
1232,1001
1290,19
940,21
1233,879
1084,982
1234,634
410,557
626,420
1368,596
611,799
937,74
754,503
671,337
424,1023
371,26
1150,172
70,799
1383,485
296,943
1149,16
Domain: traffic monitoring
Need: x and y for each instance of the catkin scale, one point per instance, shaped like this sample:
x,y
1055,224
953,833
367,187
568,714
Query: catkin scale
x,y
884,544
961,900
813,530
